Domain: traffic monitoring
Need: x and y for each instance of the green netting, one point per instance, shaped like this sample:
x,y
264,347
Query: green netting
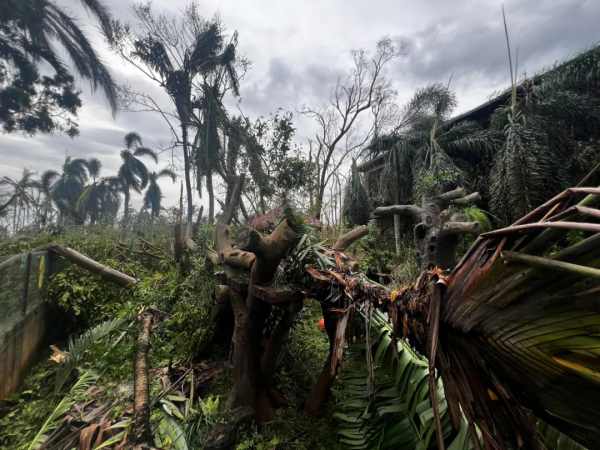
x,y
23,279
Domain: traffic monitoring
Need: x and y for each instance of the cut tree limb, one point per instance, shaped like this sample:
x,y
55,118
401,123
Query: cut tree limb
x,y
461,228
401,210
93,266
142,433
347,239
467,199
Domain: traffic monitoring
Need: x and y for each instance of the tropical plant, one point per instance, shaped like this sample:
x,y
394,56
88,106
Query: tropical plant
x,y
94,165
67,190
133,173
385,403
54,420
20,198
153,195
427,156
541,126
29,32
356,200
44,185
70,359
100,200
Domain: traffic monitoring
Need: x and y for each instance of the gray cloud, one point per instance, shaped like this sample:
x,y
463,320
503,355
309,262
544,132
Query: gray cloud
x,y
298,49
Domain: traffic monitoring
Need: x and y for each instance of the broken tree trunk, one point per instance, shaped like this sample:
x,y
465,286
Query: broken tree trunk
x,y
345,240
141,436
249,269
93,266
509,338
435,231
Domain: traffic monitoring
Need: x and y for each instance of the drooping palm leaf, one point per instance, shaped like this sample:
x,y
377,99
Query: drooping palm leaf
x,y
53,421
399,414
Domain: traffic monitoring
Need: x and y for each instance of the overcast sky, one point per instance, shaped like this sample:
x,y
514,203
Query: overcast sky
x,y
298,48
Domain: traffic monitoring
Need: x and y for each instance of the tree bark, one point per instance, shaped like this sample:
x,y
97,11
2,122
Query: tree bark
x,y
126,207
187,169
142,433
93,266
345,240
211,197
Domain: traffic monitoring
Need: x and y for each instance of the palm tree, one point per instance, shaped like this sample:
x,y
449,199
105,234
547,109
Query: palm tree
x,y
204,54
133,173
43,24
427,156
45,185
69,187
153,196
94,165
101,200
20,197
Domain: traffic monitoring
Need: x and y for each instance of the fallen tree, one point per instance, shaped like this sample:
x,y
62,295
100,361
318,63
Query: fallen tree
x,y
512,332
509,339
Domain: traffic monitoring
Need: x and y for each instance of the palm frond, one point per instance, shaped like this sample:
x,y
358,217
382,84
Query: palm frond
x,y
53,421
99,9
145,151
167,173
132,139
93,166
153,53
47,179
82,53
77,348
399,414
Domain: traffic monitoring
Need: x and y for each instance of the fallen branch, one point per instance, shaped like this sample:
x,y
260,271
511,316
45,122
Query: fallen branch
x,y
93,266
347,239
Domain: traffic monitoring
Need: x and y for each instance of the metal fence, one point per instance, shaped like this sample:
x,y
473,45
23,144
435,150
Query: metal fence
x,y
23,324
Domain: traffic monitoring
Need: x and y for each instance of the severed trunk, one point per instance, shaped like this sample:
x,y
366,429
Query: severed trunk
x,y
142,433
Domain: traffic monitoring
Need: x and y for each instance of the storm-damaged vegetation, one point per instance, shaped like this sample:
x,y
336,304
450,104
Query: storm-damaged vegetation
x,y
408,279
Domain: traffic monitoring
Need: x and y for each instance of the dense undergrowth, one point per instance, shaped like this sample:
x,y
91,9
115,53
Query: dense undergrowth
x,y
190,376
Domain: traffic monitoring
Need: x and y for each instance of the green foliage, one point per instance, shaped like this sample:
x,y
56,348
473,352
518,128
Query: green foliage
x,y
23,413
52,422
266,151
396,412
29,33
373,255
475,214
76,348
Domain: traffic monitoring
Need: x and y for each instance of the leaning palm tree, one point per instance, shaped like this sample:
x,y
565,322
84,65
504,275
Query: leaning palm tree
x,y
133,173
43,24
153,195
20,197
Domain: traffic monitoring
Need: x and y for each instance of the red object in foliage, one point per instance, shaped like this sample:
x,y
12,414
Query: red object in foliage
x,y
321,324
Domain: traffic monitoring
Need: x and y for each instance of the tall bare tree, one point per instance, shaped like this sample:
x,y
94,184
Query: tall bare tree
x,y
341,126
